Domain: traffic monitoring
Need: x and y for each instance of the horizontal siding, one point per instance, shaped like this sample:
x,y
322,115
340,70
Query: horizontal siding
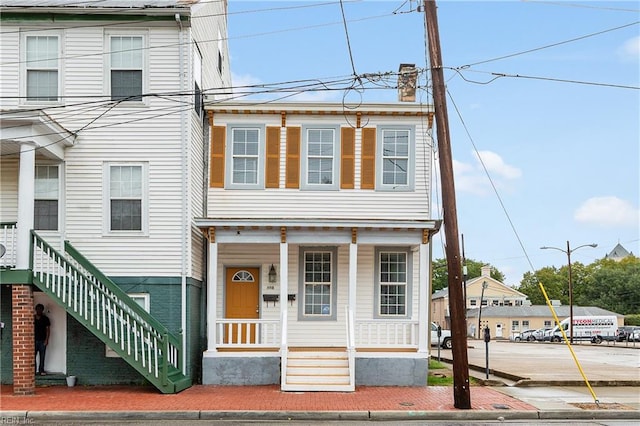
x,y
9,189
149,133
319,333
9,66
349,203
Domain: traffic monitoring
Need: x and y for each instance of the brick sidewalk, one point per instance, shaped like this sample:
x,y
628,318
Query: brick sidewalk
x,y
251,398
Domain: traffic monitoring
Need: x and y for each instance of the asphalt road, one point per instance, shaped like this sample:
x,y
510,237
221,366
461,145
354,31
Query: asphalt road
x,y
545,361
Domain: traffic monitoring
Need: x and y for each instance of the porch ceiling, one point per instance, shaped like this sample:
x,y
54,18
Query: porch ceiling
x,y
33,127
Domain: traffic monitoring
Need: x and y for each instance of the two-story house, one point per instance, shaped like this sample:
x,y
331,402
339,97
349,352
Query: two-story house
x,y
103,167
319,236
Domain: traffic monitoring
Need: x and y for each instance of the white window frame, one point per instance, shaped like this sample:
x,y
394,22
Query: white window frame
x,y
515,325
333,283
335,160
407,284
108,36
106,179
25,66
145,298
229,169
380,158
58,196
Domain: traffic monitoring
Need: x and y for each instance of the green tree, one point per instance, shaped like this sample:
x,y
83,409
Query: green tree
x,y
474,269
612,285
605,283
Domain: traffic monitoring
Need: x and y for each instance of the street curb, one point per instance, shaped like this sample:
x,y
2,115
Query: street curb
x,y
480,415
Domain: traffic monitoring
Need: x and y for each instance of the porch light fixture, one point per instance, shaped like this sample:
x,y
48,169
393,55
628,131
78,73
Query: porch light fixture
x,y
272,274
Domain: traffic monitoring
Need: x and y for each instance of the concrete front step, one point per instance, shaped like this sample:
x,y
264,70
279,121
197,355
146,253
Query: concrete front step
x,y
318,371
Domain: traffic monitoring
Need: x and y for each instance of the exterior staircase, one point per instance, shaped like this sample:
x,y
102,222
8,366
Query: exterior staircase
x,y
318,369
110,314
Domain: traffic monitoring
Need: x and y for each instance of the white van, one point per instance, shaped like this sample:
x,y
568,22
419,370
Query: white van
x,y
593,328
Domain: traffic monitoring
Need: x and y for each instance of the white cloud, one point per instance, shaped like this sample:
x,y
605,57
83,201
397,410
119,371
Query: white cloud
x,y
472,178
630,49
608,212
496,166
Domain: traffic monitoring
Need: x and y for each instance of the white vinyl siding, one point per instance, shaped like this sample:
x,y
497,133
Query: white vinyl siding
x,y
42,67
126,66
46,198
320,158
344,204
395,159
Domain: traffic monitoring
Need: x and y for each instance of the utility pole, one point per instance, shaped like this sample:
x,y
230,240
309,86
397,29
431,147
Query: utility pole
x,y
461,390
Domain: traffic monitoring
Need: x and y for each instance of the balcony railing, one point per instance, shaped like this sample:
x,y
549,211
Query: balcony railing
x,y
386,333
8,240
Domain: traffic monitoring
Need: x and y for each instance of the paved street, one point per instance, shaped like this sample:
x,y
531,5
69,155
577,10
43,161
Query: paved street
x,y
546,362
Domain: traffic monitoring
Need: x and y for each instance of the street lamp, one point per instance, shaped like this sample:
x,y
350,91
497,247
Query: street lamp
x,y
484,286
568,252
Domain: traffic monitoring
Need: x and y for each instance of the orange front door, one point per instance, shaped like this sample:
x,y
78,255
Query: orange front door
x,y
242,302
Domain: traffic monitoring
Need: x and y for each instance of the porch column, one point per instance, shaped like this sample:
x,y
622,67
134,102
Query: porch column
x,y
284,287
24,373
26,191
212,291
423,300
353,270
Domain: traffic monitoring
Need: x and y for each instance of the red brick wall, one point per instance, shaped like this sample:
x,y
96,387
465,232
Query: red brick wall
x,y
24,378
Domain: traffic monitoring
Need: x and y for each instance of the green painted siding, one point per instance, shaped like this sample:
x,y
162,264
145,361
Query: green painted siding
x,y
6,344
86,357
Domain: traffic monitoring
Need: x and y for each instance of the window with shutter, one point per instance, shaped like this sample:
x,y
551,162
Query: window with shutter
x,y
347,168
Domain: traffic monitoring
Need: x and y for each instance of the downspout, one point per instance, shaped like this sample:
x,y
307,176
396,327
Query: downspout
x,y
185,197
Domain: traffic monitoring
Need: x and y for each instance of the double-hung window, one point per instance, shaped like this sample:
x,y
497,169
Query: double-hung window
x,y
392,290
42,65
126,74
318,284
245,150
396,158
126,199
47,190
321,156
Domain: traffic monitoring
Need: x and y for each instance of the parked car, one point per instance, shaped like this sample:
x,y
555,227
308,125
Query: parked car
x,y
528,335
514,336
624,332
539,333
445,337
635,335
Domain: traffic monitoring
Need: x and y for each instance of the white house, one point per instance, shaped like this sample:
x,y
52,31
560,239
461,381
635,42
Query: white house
x,y
319,235
104,155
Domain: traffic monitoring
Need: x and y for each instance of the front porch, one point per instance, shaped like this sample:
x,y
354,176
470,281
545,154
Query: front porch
x,y
368,326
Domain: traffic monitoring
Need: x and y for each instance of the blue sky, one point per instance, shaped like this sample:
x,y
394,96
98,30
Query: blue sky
x,y
545,93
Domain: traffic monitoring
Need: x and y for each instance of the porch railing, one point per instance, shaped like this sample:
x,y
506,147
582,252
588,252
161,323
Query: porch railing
x,y
109,313
386,333
8,239
247,333
351,345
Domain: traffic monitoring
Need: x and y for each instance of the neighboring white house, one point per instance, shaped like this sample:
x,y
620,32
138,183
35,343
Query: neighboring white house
x,y
319,232
104,145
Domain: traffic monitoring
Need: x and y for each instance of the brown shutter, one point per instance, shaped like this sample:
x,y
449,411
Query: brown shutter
x,y
348,161
293,158
216,177
368,169
272,165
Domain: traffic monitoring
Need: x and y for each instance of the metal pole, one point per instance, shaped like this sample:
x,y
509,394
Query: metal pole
x,y
484,285
570,295
461,389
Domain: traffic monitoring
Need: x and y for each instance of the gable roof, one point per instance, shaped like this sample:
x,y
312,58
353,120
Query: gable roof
x,y
618,253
